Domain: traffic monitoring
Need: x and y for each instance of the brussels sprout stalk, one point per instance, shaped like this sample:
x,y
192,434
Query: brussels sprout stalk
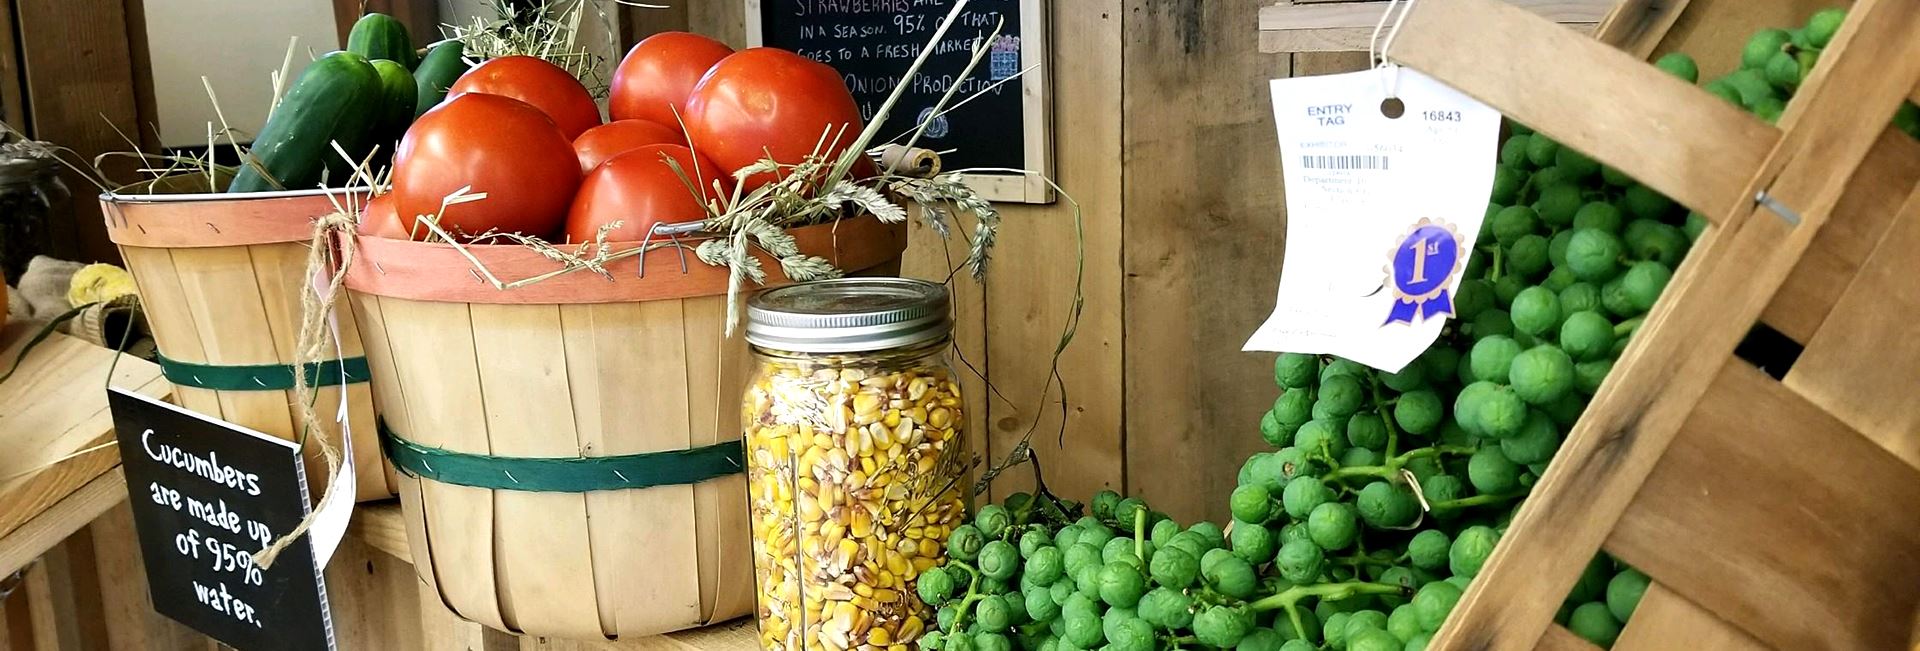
x,y
1391,468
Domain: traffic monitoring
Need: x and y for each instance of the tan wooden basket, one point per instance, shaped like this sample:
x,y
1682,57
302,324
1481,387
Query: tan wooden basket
x,y
220,279
1772,508
576,366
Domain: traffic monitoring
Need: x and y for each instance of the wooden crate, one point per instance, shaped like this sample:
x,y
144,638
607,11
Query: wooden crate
x,y
1773,509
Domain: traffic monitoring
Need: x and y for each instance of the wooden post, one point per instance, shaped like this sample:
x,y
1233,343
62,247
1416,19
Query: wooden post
x,y
80,85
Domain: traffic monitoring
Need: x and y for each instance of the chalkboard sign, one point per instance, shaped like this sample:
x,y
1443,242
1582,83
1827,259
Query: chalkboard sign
x,y
206,494
873,43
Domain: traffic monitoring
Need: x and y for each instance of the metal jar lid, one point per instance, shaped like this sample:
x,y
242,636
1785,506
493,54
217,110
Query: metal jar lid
x,y
848,315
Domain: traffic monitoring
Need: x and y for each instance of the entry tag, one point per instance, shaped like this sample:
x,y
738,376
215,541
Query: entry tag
x,y
1382,212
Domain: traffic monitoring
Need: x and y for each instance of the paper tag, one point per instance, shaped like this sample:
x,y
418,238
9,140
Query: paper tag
x,y
1382,212
336,509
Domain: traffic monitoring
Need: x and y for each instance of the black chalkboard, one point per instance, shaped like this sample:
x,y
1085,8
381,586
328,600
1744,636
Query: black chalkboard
x,y
206,494
873,43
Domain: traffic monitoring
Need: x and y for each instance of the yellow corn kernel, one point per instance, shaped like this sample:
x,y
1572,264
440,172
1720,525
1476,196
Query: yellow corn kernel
x,y
929,548
910,629
885,596
879,637
891,420
940,417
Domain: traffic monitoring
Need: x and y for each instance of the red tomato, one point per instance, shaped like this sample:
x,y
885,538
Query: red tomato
x,y
535,81
767,100
498,145
379,219
639,189
620,136
656,76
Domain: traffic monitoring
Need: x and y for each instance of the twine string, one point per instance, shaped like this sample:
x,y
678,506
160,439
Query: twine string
x,y
309,349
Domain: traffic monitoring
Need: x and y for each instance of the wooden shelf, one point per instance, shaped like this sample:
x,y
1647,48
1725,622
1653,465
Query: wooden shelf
x,y
1309,26
381,527
61,470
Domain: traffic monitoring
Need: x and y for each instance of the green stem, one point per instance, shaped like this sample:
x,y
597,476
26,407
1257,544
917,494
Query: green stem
x,y
1292,596
1386,416
973,594
1293,616
1477,500
1628,326
1494,271
1140,533
1391,468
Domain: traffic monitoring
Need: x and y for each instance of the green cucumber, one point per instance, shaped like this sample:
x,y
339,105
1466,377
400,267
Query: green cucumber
x,y
380,36
336,97
443,65
396,107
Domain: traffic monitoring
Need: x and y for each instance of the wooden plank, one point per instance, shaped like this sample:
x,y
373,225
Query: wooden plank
x,y
1637,26
723,20
1342,39
1036,257
1673,136
541,547
422,17
1858,223
1728,518
1202,190
51,411
42,612
128,617
13,91
73,592
1663,618
928,257
374,598
382,526
1849,369
1720,289
1558,638
80,85
53,525
1314,16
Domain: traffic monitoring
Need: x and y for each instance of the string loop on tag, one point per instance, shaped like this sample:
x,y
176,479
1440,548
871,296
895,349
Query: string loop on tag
x,y
1377,50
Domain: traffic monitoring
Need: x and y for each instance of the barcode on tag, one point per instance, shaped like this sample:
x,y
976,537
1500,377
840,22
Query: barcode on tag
x,y
1349,162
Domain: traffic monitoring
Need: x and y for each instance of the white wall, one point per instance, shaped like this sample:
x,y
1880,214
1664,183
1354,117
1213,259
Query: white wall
x,y
236,45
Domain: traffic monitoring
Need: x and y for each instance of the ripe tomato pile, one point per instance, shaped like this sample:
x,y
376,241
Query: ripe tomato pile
x,y
526,134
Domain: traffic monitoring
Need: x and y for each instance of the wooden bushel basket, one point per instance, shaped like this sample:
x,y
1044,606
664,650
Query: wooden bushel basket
x,y
578,366
220,279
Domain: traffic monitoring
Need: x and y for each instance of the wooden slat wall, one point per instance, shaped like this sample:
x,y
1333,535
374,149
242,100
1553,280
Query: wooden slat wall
x,y
1204,229
77,60
1183,224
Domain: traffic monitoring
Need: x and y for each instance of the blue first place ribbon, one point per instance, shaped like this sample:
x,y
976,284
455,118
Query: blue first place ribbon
x,y
1423,267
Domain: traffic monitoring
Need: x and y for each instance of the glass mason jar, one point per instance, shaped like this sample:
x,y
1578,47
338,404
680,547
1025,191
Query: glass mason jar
x,y
857,465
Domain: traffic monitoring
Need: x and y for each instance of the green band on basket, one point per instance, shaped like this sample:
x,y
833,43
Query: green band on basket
x,y
562,474
261,377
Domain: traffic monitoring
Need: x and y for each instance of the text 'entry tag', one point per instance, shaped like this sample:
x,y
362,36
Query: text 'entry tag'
x,y
1382,211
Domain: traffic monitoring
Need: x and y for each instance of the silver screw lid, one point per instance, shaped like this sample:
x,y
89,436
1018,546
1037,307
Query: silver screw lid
x,y
848,315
